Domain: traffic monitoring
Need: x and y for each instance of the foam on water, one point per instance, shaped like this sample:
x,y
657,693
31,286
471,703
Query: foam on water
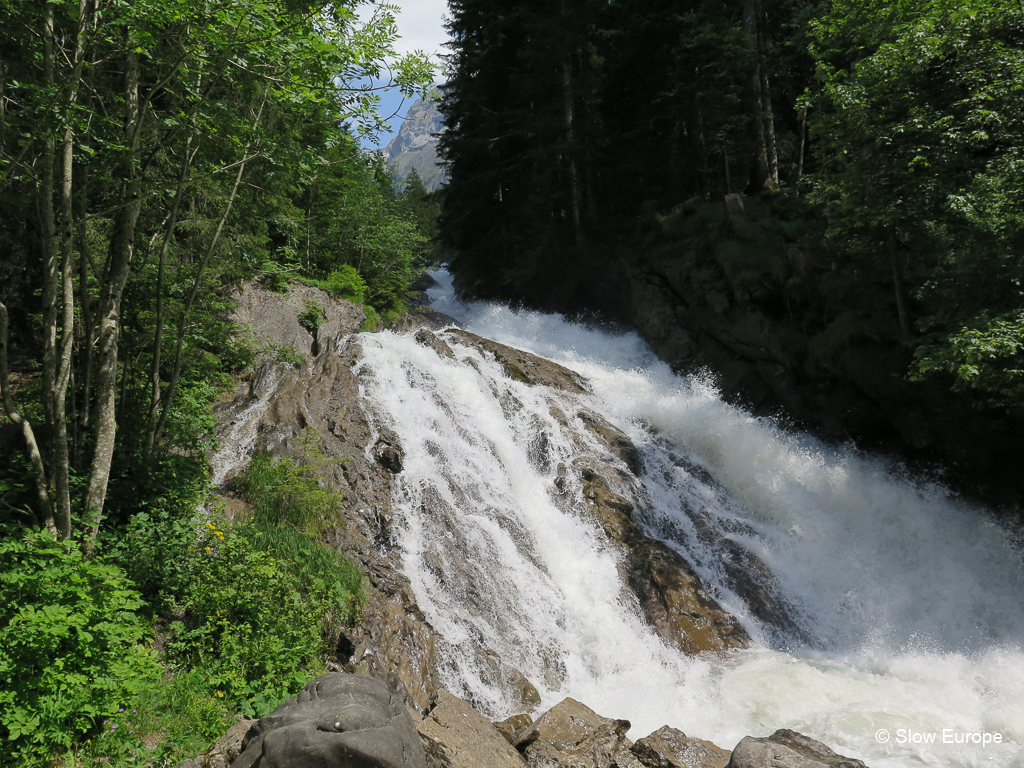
x,y
907,601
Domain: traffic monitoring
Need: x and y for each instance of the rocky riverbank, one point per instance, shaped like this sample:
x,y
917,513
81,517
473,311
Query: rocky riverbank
x,y
354,721
394,642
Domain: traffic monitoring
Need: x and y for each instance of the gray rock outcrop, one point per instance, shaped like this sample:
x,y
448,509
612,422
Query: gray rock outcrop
x,y
415,144
787,749
337,720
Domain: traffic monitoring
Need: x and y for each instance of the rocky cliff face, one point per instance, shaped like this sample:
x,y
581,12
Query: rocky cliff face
x,y
415,146
394,641
679,299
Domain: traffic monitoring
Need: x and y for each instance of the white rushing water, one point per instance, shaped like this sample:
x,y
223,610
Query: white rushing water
x,y
907,604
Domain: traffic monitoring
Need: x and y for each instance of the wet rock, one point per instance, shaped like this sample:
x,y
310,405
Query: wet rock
x,y
388,451
393,640
671,596
615,439
521,692
337,719
455,735
571,735
431,340
523,366
671,748
511,727
790,749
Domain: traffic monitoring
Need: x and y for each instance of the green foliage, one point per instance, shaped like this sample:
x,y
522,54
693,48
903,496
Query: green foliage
x,y
246,623
290,510
72,647
312,316
920,123
372,321
987,360
284,353
287,492
346,283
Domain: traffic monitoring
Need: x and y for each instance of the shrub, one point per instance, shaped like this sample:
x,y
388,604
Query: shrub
x,y
246,623
71,646
346,283
312,317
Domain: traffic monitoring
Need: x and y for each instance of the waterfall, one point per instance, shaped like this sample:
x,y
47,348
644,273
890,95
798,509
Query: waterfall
x,y
905,611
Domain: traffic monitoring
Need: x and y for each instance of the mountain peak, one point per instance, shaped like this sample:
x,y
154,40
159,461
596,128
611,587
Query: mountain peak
x,y
415,145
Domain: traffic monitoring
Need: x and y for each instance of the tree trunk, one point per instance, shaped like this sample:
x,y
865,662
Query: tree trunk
x,y
122,248
568,125
60,459
42,497
897,283
154,372
762,174
172,386
803,142
769,117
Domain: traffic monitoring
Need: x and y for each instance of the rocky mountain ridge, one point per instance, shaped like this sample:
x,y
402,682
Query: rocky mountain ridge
x,y
415,145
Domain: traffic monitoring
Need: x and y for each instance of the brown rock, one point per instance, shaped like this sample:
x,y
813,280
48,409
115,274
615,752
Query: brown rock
x,y
228,747
671,596
671,748
571,735
523,366
457,736
511,727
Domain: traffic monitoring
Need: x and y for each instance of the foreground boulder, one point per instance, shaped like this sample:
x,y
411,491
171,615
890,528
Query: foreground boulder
x,y
790,749
457,736
338,720
671,748
571,735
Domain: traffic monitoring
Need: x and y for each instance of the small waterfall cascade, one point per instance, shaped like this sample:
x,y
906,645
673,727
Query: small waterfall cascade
x,y
904,620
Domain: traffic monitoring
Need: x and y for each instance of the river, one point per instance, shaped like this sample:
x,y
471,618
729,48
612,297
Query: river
x,y
905,647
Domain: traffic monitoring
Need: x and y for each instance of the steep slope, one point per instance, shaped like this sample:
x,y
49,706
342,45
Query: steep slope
x,y
415,146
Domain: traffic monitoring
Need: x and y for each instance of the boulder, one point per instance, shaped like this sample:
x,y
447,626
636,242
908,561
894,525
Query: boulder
x,y
274,317
511,727
455,735
787,749
338,720
671,748
228,747
571,735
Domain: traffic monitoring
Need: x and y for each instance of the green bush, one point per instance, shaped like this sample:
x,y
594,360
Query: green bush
x,y
289,510
246,624
312,316
71,646
346,283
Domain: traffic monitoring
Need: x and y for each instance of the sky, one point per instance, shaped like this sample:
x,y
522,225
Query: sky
x,y
420,28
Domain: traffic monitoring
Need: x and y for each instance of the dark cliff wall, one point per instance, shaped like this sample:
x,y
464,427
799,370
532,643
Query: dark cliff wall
x,y
679,298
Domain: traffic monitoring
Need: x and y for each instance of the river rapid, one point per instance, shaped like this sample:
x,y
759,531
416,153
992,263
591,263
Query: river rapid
x,y
906,642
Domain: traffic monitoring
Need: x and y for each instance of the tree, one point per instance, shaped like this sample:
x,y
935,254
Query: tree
x,y
113,115
919,124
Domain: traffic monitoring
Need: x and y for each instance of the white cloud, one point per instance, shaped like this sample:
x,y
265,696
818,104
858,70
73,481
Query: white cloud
x,y
420,26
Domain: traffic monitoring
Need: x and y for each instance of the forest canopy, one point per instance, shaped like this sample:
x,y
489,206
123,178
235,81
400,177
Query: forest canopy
x,y
879,141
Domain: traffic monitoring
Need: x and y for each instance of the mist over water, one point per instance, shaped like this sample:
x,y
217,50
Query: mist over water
x,y
905,609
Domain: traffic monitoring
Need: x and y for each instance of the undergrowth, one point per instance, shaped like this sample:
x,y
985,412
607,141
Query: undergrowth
x,y
178,624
